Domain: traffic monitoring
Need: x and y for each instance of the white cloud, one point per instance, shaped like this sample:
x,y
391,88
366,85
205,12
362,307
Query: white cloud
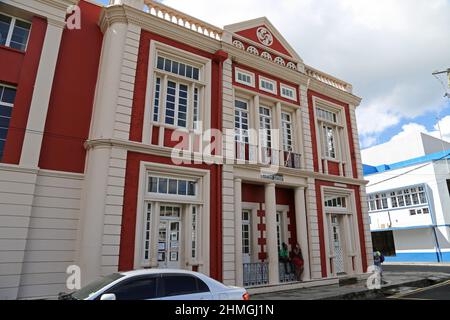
x,y
412,127
386,49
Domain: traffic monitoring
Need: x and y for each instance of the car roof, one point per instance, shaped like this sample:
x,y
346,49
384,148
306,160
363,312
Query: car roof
x,y
156,271
212,283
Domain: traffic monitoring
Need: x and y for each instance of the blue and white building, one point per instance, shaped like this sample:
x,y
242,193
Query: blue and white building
x,y
408,197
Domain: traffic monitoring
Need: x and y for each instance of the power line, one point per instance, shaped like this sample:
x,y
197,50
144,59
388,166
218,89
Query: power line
x,y
406,172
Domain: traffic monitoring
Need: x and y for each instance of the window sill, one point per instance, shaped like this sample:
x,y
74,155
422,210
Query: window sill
x,y
12,49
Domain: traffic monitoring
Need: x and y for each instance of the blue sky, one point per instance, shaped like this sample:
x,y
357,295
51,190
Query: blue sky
x,y
386,49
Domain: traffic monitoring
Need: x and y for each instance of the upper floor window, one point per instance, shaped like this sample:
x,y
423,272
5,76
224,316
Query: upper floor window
x,y
14,32
7,97
286,126
178,68
267,85
244,77
241,121
411,196
172,186
265,125
176,104
329,144
288,92
326,115
177,93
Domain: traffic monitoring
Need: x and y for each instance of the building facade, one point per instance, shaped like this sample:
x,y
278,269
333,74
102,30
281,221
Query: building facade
x,y
111,158
409,200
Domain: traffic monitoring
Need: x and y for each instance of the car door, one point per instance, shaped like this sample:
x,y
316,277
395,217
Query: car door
x,y
136,288
183,287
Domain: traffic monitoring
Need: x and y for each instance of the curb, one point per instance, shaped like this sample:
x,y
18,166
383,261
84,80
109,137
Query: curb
x,y
378,293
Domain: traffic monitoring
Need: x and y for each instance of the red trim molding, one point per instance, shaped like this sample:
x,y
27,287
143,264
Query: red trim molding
x,y
25,88
355,188
312,122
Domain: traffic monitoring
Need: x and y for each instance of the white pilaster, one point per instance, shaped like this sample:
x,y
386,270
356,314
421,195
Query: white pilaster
x,y
302,229
271,233
41,95
238,230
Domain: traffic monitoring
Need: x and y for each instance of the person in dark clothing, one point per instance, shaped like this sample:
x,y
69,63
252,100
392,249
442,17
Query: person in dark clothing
x,y
284,256
297,260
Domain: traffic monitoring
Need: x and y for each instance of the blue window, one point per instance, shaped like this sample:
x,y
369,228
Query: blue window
x,y
178,68
7,97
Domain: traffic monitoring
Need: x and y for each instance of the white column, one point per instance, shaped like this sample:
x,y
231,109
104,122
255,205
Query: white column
x,y
271,233
92,221
41,95
302,229
238,230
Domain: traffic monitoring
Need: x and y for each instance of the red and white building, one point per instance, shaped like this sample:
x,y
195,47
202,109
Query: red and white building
x,y
87,177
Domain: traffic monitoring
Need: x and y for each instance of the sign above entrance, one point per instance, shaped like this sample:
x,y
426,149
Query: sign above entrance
x,y
275,177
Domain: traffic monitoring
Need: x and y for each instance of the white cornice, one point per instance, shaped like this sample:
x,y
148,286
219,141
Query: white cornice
x,y
148,22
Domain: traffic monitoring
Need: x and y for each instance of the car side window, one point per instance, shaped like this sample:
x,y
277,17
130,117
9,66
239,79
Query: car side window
x,y
202,287
136,289
175,285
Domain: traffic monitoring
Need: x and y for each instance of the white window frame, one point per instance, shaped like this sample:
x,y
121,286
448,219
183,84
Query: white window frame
x,y
238,71
11,31
266,132
243,135
288,144
203,84
273,82
326,142
292,89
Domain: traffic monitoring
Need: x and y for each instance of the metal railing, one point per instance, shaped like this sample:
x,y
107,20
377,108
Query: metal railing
x,y
292,160
287,272
255,274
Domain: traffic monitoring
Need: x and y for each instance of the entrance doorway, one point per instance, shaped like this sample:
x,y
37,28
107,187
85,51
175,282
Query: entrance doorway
x,y
169,237
337,245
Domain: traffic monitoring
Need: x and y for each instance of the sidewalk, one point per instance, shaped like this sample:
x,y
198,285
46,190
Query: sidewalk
x,y
396,282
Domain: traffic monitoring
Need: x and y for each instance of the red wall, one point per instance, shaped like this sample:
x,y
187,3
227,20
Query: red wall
x,y
255,194
312,94
20,69
126,259
319,184
72,97
251,34
128,232
137,116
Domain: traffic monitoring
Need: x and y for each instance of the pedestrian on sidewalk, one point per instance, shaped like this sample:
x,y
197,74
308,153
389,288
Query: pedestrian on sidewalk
x,y
297,260
284,256
378,259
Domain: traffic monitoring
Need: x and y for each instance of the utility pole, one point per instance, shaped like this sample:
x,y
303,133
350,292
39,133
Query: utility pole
x,y
446,88
447,94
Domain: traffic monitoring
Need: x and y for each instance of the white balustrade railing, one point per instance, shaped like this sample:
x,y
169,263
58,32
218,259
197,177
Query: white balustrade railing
x,y
325,78
177,17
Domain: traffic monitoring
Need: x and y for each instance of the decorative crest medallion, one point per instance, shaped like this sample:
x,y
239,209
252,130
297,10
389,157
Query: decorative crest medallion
x,y
264,36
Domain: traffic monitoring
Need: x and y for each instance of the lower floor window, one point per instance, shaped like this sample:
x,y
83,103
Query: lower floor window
x,y
7,97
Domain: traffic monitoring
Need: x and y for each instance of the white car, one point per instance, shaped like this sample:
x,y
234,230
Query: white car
x,y
157,284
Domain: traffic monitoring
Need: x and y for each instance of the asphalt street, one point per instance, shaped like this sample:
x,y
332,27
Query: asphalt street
x,y
416,268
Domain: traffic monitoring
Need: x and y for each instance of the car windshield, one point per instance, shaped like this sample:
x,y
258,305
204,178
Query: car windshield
x,y
94,286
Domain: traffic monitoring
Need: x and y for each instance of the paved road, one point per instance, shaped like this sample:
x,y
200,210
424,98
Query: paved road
x,y
416,268
439,291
